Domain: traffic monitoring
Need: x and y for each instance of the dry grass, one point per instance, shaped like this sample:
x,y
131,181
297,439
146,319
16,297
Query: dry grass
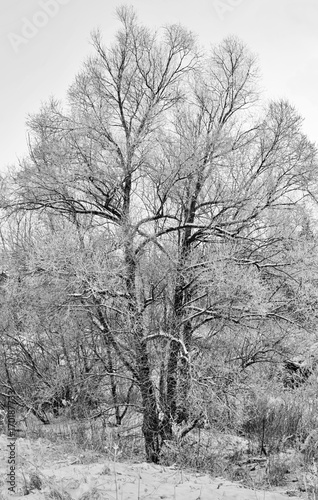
x,y
310,482
95,435
281,424
57,494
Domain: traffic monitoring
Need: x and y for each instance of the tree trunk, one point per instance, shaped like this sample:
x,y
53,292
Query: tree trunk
x,y
113,383
178,376
168,391
184,377
151,424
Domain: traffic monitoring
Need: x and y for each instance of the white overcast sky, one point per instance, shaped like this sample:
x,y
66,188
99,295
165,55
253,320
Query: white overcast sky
x,y
282,33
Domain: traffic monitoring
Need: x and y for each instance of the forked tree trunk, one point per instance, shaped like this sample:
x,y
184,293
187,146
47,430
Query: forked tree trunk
x,y
151,423
178,372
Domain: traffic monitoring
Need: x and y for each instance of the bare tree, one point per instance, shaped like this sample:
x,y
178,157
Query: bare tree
x,y
170,161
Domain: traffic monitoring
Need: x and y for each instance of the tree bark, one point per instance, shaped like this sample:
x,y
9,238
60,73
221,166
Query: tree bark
x,y
151,424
